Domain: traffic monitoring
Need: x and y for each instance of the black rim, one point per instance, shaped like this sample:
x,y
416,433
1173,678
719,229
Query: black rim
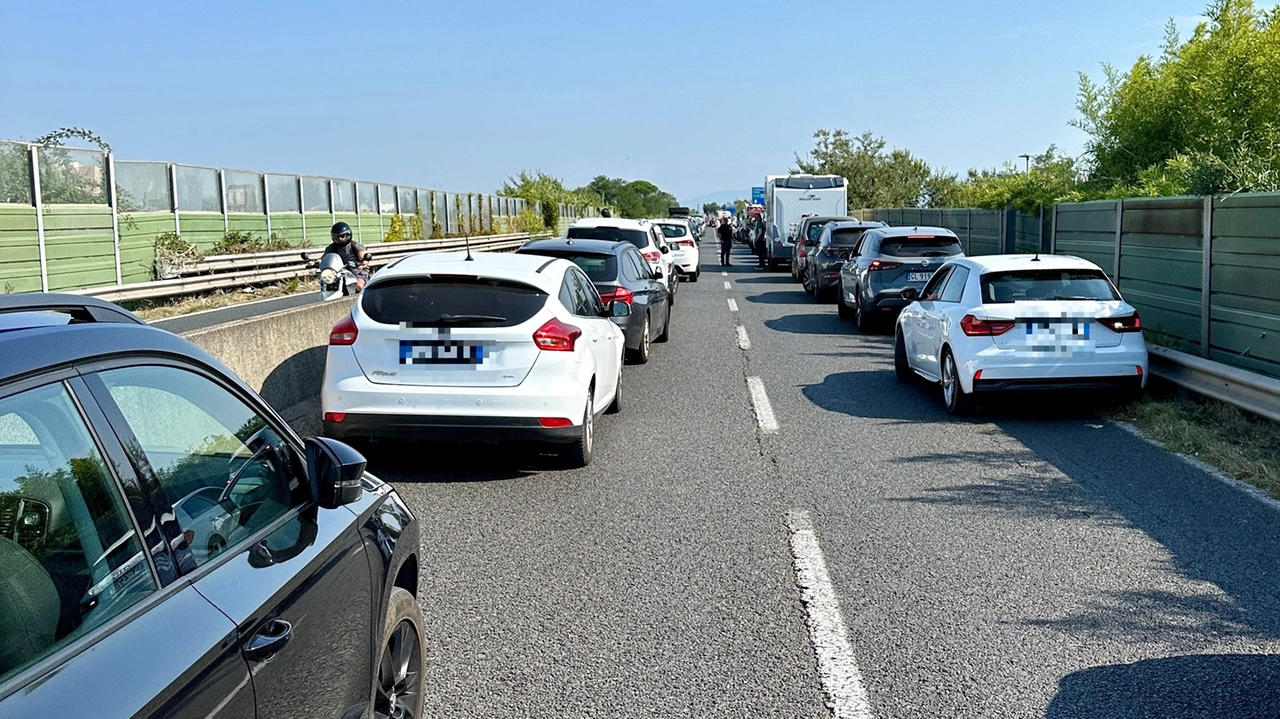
x,y
398,673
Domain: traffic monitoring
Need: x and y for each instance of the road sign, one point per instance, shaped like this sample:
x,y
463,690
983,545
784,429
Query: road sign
x,y
757,195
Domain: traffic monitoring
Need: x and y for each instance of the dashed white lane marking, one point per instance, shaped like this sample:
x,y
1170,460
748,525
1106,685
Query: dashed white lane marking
x,y
724,274
744,342
733,305
727,286
837,670
764,411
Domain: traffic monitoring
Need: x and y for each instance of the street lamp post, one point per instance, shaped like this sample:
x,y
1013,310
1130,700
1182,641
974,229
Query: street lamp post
x,y
1028,159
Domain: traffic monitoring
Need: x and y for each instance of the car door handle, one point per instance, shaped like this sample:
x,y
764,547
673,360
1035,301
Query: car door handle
x,y
269,640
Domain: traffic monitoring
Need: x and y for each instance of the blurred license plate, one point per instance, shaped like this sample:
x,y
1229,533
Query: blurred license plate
x,y
919,276
1058,336
440,352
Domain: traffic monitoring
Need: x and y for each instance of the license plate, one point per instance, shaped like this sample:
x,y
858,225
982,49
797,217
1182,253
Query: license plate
x,y
441,352
919,276
1058,337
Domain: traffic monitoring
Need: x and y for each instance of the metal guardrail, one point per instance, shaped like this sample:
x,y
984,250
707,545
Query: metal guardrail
x,y
227,271
1247,390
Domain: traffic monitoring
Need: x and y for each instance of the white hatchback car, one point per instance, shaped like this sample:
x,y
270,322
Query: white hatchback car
x,y
486,348
684,248
641,233
1018,322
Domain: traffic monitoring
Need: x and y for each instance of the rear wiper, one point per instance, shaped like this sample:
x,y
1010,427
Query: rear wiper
x,y
936,253
456,319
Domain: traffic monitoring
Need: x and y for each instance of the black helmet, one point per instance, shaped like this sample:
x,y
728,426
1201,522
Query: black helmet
x,y
340,229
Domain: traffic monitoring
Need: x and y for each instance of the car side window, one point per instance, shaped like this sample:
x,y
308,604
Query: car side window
x,y
641,265
631,270
70,556
567,297
224,470
594,305
955,284
933,290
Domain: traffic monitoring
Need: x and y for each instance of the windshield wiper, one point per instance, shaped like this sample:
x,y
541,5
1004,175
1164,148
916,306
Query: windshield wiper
x,y
457,319
1073,297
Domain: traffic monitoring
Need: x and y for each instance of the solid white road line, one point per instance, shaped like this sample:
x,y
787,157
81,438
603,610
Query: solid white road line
x,y
764,411
837,670
727,286
733,305
744,342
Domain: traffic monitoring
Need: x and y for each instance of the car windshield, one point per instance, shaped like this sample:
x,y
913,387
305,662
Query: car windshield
x,y
639,238
1040,285
674,230
599,267
846,238
940,246
451,302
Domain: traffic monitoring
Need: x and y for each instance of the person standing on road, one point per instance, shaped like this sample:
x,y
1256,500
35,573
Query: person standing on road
x,y
757,238
725,233
351,252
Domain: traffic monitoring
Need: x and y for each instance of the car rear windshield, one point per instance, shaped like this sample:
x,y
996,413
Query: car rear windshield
x,y
599,267
674,230
940,246
1040,285
639,238
451,302
808,183
846,238
815,228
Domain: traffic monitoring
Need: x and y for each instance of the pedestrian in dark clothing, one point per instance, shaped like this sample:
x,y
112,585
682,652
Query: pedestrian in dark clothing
x,y
725,233
761,260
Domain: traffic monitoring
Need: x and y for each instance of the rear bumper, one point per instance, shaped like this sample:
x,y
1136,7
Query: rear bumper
x,y
1124,383
1003,370
890,299
778,251
447,428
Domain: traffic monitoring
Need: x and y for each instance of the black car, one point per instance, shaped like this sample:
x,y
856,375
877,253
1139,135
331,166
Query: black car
x,y
619,272
823,260
170,548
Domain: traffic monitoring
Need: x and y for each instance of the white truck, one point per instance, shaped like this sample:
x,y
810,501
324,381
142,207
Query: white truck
x,y
788,199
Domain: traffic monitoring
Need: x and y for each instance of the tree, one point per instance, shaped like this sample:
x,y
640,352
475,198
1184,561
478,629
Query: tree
x,y
637,198
876,178
1052,177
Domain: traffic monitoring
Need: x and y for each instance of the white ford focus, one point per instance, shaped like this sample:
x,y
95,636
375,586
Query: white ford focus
x,y
493,348
1018,322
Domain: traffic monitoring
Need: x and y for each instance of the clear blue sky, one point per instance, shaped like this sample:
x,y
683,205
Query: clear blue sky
x,y
696,96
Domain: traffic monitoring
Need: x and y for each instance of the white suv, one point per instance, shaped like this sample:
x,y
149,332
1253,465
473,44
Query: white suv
x,y
642,233
684,249
486,348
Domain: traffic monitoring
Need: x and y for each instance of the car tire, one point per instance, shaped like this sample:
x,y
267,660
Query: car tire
x,y
640,355
901,367
666,329
773,264
845,312
578,454
400,682
616,405
694,277
957,400
860,317
804,282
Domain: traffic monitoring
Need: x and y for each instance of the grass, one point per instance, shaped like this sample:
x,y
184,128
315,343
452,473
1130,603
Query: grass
x,y
175,306
1238,443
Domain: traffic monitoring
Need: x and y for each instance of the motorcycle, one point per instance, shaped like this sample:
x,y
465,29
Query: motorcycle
x,y
335,278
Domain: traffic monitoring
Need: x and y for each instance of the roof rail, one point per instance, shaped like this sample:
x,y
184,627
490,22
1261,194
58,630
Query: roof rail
x,y
80,307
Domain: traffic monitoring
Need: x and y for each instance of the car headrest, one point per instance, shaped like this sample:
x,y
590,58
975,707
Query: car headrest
x,y
29,606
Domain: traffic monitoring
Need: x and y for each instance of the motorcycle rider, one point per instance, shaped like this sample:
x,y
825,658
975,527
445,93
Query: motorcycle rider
x,y
352,253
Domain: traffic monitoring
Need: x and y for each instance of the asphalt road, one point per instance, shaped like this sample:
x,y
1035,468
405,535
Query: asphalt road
x,y
1032,561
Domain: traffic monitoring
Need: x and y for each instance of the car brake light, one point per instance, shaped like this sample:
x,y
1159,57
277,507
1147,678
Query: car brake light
x,y
617,294
344,333
1139,370
975,327
1131,323
555,422
977,375
334,416
882,265
556,336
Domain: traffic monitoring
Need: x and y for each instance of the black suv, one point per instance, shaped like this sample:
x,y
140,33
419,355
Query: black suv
x,y
169,547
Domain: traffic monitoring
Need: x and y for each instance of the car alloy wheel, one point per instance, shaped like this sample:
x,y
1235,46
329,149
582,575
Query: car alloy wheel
x,y
860,317
400,677
901,367
846,312
578,454
952,393
646,342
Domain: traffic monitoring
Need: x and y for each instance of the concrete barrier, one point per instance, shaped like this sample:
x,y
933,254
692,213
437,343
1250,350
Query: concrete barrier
x,y
281,355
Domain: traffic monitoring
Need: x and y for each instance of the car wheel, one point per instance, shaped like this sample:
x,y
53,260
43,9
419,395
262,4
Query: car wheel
x,y
694,277
845,312
958,401
860,317
616,405
666,328
804,282
578,454
773,265
901,367
401,683
640,355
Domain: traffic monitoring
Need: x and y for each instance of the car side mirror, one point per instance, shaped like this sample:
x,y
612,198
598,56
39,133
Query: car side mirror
x,y
334,471
910,294
618,308
657,274
665,249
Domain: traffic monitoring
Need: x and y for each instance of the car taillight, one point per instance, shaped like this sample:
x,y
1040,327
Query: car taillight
x,y
975,327
652,256
882,265
555,422
344,333
556,336
334,416
1132,323
617,294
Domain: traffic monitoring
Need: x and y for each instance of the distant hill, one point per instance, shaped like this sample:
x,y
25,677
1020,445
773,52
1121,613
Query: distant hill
x,y
724,197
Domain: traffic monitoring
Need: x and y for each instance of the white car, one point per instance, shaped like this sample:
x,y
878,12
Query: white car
x,y
1019,322
641,233
684,248
487,348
